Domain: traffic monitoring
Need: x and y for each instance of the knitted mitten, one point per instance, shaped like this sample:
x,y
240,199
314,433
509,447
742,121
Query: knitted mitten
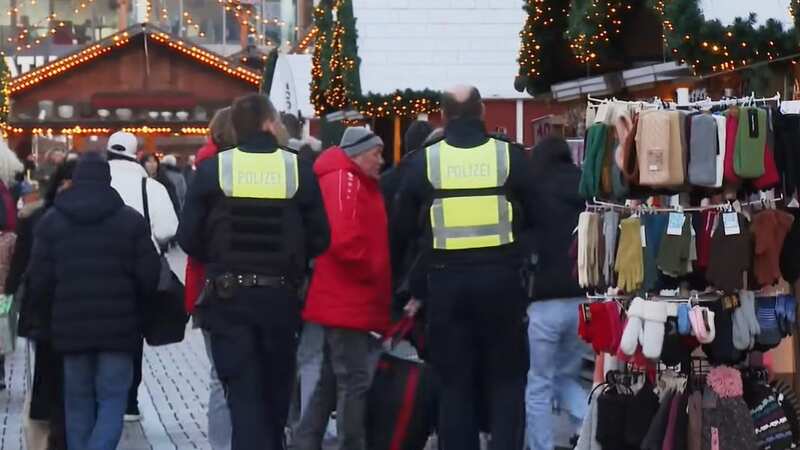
x,y
654,315
770,335
633,328
745,322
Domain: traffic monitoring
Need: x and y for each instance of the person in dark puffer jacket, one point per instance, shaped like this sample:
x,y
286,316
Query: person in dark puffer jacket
x,y
94,257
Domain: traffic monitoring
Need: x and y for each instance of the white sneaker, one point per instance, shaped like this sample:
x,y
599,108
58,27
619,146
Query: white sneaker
x,y
132,418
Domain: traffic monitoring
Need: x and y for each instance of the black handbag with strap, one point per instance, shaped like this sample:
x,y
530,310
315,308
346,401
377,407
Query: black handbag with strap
x,y
165,320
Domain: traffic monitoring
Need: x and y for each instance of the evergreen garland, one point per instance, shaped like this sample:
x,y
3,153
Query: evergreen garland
x,y
5,77
593,26
590,26
335,72
321,61
542,45
710,46
348,41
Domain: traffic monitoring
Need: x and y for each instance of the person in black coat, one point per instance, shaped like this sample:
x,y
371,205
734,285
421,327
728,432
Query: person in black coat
x,y
47,398
556,351
413,140
94,268
405,261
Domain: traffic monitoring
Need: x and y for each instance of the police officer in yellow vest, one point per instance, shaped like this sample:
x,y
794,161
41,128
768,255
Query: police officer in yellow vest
x,y
468,199
254,215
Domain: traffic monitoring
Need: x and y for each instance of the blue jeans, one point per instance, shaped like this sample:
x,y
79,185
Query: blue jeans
x,y
220,429
556,353
95,396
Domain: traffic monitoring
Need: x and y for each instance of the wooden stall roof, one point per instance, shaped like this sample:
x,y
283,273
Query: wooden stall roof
x,y
143,71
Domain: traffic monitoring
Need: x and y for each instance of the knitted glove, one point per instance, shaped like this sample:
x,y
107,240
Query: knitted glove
x,y
610,230
674,252
629,263
584,220
594,265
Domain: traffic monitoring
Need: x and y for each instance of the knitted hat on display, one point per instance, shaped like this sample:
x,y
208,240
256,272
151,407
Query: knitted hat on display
x,y
728,422
772,427
790,404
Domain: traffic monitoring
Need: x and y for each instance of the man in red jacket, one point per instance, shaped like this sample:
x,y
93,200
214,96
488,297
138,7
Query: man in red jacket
x,y
350,290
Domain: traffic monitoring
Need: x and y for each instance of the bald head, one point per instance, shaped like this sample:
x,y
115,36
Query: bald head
x,y
462,102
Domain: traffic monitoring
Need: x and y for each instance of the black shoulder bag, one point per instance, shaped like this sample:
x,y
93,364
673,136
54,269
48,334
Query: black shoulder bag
x,y
165,319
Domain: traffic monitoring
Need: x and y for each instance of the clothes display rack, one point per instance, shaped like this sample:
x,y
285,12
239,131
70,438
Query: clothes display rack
x,y
700,281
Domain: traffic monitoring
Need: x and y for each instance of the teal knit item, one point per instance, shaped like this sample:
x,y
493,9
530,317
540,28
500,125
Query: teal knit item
x,y
749,154
595,146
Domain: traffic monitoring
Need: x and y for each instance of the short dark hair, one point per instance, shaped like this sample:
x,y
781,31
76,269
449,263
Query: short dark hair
x,y
470,108
221,129
63,173
249,113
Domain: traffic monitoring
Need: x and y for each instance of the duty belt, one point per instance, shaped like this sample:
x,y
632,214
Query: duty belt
x,y
226,284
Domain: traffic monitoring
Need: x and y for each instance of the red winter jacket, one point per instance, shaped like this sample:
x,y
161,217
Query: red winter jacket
x,y
195,271
351,285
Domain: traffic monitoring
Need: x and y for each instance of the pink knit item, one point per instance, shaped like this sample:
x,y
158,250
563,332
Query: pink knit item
x,y
725,381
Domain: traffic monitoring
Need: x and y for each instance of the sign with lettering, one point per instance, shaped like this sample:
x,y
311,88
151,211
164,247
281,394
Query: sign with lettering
x,y
283,92
20,65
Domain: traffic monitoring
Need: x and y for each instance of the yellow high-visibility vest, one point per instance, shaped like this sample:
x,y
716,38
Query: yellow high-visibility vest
x,y
258,175
469,209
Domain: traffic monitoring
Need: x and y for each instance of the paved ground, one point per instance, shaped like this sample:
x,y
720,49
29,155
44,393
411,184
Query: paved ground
x,y
173,399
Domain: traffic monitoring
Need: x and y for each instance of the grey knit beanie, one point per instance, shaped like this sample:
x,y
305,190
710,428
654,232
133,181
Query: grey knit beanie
x,y
357,140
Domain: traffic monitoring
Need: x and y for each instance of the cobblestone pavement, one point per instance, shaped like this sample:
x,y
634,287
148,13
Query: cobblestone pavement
x,y
173,398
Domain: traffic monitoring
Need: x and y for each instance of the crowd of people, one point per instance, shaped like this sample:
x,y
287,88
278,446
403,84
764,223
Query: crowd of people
x,y
297,260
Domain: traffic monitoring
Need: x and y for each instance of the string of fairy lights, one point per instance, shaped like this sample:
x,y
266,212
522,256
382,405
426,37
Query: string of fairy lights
x,y
249,18
88,54
598,21
94,131
593,29
736,47
63,64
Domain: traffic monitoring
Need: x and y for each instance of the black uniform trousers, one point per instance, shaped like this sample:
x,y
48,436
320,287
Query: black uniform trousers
x,y
253,344
478,347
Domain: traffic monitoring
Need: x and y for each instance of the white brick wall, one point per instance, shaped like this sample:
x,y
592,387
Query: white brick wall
x,y
434,44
